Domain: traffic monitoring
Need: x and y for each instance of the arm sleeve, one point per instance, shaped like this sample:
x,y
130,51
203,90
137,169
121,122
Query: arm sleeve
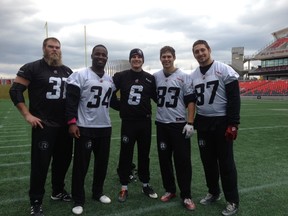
x,y
72,101
233,102
115,102
154,93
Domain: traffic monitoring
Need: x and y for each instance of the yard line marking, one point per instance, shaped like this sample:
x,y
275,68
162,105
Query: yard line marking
x,y
17,146
153,135
174,203
13,164
267,127
158,206
14,179
14,154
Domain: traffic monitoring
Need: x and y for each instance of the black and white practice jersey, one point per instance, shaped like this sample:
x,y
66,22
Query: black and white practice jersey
x,y
136,91
46,91
210,89
95,95
173,95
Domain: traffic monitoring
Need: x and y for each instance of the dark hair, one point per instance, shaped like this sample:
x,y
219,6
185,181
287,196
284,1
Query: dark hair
x,y
50,38
99,45
200,42
167,49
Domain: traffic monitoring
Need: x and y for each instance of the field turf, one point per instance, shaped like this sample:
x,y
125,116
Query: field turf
x,y
261,154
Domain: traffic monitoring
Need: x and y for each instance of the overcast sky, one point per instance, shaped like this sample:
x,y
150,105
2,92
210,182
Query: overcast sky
x,y
122,25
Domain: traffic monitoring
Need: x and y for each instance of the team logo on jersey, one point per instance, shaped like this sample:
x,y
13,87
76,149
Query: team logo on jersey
x,y
43,145
218,73
163,146
88,144
201,143
125,139
101,80
148,80
55,72
137,81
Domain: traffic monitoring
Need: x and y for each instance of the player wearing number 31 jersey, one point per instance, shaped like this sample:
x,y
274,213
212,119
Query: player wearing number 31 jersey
x,y
45,80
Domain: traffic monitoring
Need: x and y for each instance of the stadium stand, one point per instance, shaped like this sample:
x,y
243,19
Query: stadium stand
x,y
264,88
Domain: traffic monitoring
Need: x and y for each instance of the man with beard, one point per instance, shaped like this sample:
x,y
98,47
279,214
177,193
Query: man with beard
x,y
45,80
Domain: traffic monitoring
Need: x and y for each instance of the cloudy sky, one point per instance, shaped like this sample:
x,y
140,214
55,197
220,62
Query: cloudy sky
x,y
122,25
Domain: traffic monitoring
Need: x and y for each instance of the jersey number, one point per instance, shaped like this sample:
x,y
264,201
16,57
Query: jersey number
x,y
174,94
201,88
57,83
135,94
97,91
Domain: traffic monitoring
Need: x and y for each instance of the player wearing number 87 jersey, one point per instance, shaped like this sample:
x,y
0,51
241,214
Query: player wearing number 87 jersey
x,y
175,97
218,114
89,92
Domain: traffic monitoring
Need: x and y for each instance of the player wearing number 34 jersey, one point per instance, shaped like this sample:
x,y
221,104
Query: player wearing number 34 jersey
x,y
88,102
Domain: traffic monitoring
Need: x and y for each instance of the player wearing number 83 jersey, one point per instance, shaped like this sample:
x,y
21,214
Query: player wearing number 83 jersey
x,y
174,126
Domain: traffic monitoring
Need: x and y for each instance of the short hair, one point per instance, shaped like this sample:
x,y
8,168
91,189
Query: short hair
x,y
99,45
200,42
50,38
167,49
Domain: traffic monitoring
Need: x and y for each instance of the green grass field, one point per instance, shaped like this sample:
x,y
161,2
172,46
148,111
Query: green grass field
x,y
261,154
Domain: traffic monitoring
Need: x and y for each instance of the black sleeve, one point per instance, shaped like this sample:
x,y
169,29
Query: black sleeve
x,y
190,98
72,101
115,102
154,93
233,103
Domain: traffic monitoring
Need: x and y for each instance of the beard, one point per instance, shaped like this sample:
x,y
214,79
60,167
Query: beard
x,y
54,59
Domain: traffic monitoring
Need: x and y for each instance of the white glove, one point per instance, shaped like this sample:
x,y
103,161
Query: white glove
x,y
188,130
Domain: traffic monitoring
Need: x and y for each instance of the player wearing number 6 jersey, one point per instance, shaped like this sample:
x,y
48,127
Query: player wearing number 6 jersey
x,y
45,80
89,92
137,88
174,127
218,106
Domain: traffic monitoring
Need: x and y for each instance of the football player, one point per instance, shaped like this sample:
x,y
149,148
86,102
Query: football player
x,y
218,116
137,88
89,92
174,125
45,80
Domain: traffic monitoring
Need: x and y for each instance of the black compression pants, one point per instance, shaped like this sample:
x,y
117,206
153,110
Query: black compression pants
x,y
84,146
49,143
173,146
133,131
218,160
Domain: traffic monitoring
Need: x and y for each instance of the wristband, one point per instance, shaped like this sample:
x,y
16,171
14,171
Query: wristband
x,y
72,121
